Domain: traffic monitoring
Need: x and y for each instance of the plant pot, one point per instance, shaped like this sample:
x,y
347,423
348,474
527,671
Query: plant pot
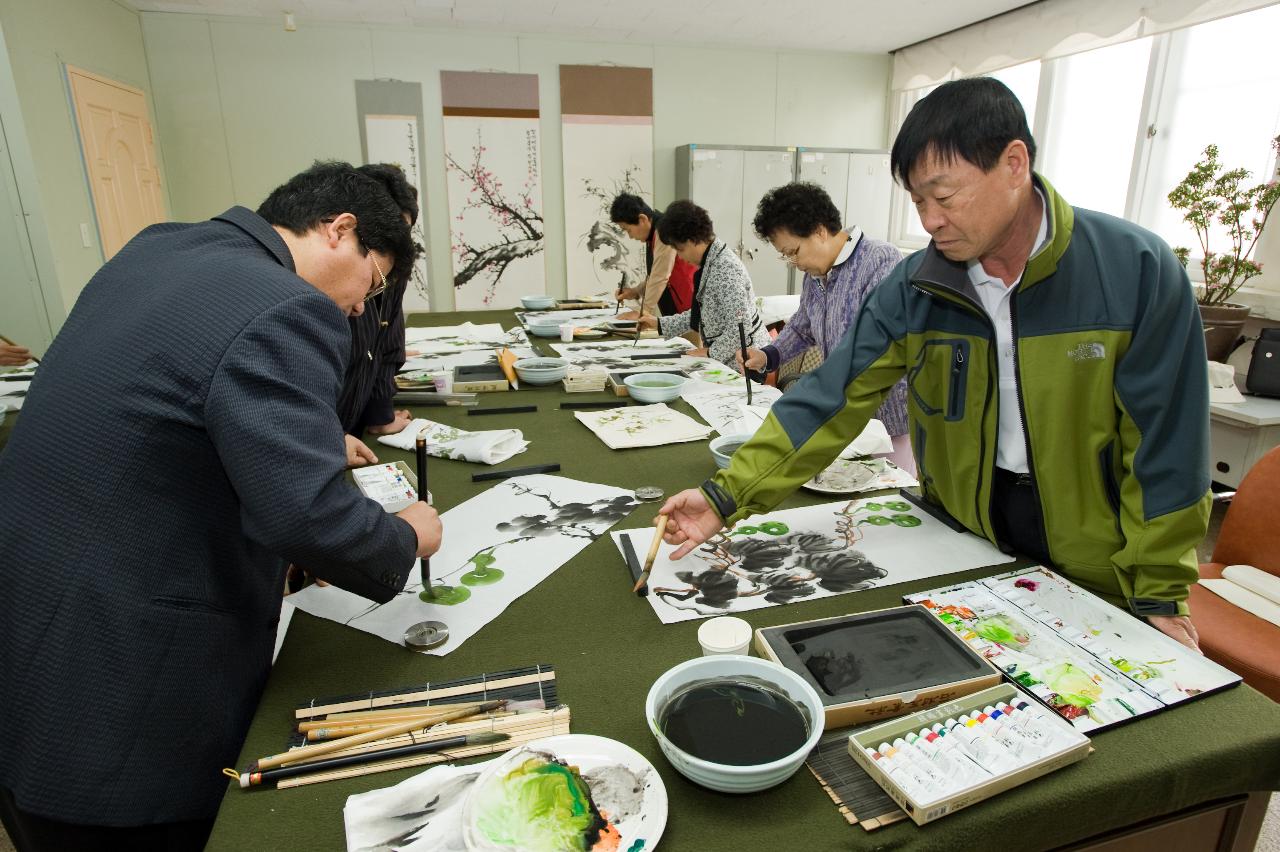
x,y
1223,326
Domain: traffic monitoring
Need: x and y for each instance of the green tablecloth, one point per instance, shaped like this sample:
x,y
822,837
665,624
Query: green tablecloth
x,y
608,648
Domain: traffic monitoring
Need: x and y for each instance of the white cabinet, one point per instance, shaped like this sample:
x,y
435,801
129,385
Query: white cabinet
x,y
859,182
728,182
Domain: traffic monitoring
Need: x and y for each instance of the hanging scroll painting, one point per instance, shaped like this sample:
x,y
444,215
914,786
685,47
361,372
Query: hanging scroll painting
x,y
606,116
494,176
395,139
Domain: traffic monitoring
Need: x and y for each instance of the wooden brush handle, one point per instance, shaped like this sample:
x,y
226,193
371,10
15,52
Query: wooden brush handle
x,y
308,752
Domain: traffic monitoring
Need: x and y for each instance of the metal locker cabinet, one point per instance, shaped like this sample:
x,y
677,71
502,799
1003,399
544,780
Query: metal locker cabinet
x,y
763,170
829,170
870,184
711,177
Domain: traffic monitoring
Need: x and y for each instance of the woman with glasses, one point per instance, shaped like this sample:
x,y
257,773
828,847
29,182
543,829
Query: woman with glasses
x,y
841,267
722,292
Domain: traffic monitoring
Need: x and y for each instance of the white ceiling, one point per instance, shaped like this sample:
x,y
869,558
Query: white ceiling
x,y
871,26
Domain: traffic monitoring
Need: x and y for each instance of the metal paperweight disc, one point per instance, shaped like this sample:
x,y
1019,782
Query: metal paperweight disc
x,y
426,635
648,492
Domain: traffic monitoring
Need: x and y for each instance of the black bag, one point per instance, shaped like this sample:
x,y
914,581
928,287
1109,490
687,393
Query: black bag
x,y
1264,367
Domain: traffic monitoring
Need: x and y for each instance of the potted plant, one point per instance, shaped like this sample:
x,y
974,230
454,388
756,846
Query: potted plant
x,y
1211,197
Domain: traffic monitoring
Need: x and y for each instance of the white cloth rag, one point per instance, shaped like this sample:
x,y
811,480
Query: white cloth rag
x,y
420,814
449,442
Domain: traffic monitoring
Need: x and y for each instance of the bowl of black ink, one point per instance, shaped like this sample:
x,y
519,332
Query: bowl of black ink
x,y
735,724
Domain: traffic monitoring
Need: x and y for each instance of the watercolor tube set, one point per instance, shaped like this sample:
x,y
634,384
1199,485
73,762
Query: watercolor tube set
x,y
938,761
1092,663
393,485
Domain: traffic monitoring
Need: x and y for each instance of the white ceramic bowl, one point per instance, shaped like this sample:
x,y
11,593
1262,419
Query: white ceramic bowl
x,y
654,387
535,303
541,371
723,448
542,328
721,776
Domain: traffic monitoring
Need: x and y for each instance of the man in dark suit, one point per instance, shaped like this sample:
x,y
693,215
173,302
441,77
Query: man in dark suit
x,y
178,447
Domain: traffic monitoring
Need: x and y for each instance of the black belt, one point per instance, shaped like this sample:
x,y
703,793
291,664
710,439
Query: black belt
x,y
1010,477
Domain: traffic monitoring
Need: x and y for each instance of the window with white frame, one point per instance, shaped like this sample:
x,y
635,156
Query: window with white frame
x,y
1119,126
1024,81
904,227
1092,122
1220,86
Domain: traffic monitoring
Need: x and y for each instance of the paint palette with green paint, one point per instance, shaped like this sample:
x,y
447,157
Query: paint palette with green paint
x,y
571,793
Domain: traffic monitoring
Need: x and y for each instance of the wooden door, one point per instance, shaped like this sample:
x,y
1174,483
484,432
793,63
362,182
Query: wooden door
x,y
119,154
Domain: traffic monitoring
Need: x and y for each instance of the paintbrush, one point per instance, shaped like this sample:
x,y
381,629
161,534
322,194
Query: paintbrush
x,y
746,374
4,339
381,733
386,717
254,779
332,729
660,527
421,446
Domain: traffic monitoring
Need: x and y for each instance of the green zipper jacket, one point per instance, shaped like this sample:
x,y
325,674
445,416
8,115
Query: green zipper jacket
x,y
1112,383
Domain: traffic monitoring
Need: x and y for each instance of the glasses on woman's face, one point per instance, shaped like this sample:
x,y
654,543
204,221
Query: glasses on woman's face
x,y
789,255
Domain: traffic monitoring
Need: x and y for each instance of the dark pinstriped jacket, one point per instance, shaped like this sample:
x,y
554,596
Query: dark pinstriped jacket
x,y
377,352
178,448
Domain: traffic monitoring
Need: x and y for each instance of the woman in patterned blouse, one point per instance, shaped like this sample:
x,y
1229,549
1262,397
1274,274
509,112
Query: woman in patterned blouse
x,y
722,292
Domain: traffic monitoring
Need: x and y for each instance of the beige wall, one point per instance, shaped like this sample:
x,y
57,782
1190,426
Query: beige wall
x,y
101,36
242,105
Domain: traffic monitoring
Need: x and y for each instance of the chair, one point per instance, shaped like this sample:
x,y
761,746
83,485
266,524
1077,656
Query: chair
x,y
1250,535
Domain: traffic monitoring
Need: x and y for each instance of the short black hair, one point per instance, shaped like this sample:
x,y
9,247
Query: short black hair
x,y
797,207
626,209
393,178
686,222
331,188
974,119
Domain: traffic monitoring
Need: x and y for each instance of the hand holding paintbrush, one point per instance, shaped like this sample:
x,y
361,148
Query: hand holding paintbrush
x,y
660,527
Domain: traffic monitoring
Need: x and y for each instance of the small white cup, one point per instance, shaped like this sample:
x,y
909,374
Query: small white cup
x,y
443,382
725,635
566,332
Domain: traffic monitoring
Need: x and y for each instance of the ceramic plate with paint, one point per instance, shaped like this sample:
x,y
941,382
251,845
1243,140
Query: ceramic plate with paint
x,y
844,476
572,793
719,376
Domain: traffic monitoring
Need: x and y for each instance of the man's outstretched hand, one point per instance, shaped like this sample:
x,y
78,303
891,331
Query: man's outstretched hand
x,y
690,521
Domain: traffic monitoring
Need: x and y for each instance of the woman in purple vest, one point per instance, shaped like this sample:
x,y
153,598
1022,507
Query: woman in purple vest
x,y
840,266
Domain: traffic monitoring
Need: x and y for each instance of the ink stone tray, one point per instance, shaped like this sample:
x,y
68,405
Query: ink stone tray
x,y
876,665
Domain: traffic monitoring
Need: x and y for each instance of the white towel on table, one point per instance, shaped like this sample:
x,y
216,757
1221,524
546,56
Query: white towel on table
x,y
489,447
420,814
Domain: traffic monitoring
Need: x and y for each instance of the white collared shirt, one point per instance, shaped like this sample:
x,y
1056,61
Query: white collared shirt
x,y
846,251
1011,445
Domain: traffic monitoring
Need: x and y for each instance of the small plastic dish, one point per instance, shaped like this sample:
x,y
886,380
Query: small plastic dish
x,y
538,303
541,371
654,387
723,448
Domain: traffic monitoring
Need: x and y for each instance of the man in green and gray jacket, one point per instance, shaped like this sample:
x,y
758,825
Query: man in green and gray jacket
x,y
1058,389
